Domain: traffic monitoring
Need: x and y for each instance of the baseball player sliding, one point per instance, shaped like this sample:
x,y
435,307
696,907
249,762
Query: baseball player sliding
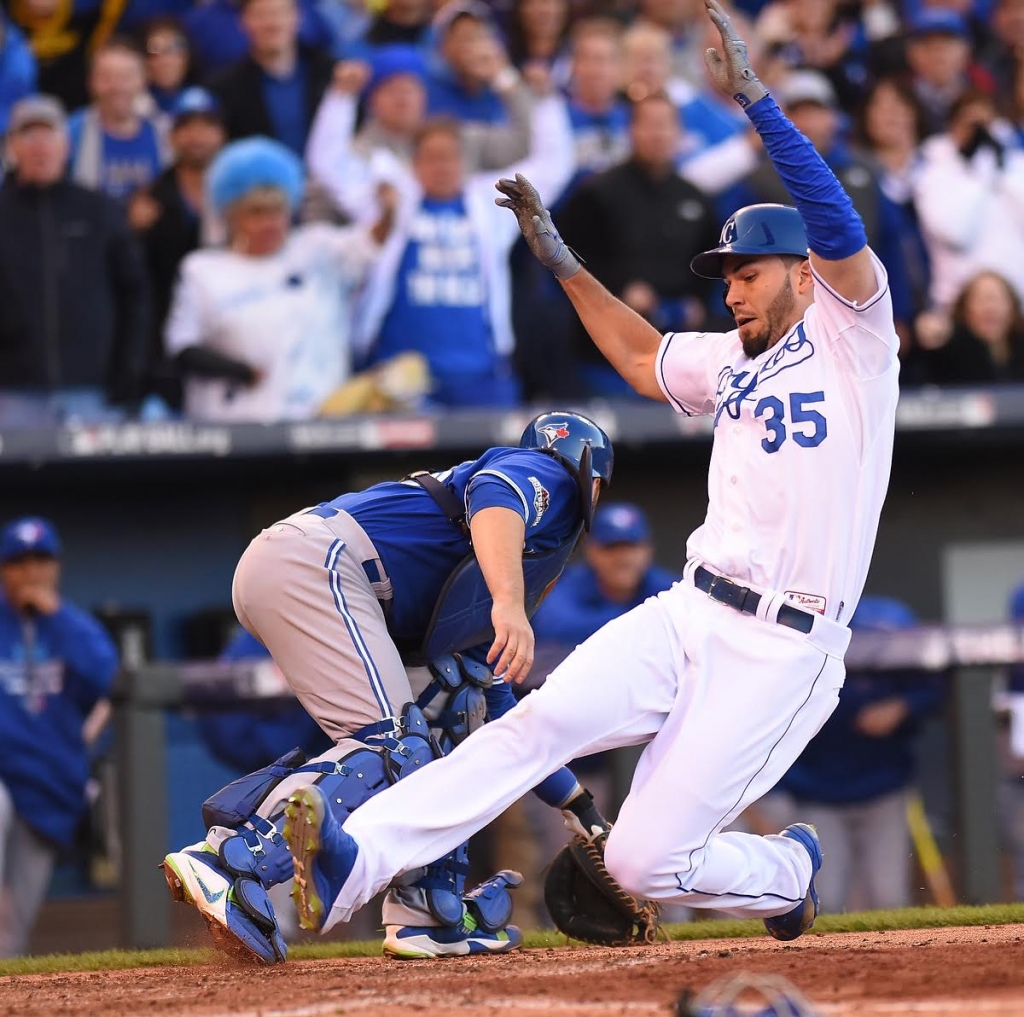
x,y
729,674
387,611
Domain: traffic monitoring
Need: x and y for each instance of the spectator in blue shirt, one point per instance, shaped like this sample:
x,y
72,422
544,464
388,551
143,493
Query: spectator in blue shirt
x,y
468,84
219,38
17,69
275,90
113,148
56,668
852,780
616,575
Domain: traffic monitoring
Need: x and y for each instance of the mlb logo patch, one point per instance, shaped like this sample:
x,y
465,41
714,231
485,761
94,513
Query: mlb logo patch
x,y
806,601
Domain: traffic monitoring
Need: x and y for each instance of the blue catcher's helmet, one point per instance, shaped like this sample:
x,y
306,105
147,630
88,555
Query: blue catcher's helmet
x,y
755,230
569,436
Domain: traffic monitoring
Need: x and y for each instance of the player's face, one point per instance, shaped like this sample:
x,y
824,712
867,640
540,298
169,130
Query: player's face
x,y
619,568
28,571
766,298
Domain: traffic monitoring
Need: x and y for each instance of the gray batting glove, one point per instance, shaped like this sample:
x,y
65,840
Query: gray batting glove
x,y
535,223
730,70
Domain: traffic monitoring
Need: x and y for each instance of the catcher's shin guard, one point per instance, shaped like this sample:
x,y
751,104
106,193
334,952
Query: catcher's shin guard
x,y
236,910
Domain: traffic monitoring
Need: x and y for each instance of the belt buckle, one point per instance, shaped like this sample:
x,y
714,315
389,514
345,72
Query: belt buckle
x,y
715,581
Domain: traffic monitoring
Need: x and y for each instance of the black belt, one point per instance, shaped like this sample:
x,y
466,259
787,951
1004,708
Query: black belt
x,y
725,591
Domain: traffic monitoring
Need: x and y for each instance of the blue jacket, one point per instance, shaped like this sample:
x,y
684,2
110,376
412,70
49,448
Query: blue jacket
x,y
17,69
44,763
575,609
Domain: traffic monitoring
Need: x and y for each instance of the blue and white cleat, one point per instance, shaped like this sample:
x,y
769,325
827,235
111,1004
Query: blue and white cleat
x,y
796,922
236,910
322,852
410,942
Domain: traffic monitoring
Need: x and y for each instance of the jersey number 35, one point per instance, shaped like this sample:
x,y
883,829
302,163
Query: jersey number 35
x,y
813,426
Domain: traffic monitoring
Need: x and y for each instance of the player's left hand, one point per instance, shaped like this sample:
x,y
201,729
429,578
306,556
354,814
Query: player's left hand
x,y
537,228
511,653
730,70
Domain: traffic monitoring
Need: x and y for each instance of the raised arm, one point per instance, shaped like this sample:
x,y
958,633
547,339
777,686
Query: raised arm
x,y
627,340
838,244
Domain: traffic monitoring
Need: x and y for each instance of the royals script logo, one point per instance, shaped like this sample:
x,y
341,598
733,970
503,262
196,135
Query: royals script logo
x,y
736,386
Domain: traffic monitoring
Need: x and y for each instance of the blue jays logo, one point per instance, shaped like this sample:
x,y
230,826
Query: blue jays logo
x,y
554,432
30,532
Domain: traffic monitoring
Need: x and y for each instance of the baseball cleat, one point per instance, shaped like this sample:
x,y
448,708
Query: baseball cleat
x,y
236,911
410,942
322,852
796,922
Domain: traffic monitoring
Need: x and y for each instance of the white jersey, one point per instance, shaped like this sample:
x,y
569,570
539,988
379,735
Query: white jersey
x,y
802,447
286,315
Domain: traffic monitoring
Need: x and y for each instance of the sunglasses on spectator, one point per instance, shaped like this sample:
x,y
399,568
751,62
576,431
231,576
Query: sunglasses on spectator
x,y
177,45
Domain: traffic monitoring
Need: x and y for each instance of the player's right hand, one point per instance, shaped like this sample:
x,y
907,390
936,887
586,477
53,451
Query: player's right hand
x,y
730,70
537,228
511,653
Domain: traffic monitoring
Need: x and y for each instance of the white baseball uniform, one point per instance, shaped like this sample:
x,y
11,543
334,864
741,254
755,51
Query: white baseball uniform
x,y
726,700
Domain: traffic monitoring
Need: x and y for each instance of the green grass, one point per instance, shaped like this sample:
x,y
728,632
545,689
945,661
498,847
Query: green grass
x,y
867,921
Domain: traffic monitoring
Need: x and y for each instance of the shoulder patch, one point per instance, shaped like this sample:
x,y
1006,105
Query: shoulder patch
x,y
541,500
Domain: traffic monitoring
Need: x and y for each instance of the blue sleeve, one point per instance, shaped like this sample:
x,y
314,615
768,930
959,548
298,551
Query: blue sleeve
x,y
88,652
535,486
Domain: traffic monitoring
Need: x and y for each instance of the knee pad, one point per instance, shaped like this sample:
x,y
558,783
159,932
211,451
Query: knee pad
x,y
411,747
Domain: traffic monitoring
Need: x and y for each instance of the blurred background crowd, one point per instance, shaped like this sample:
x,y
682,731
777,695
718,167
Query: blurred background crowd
x,y
263,210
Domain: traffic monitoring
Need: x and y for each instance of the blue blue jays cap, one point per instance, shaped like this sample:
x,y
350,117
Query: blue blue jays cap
x,y
390,61
619,523
28,536
882,614
196,102
939,21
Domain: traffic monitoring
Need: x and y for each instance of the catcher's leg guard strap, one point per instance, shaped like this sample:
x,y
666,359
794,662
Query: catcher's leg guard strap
x,y
258,851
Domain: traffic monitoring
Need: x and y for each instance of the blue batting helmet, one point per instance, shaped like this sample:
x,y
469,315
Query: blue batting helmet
x,y
757,230
569,436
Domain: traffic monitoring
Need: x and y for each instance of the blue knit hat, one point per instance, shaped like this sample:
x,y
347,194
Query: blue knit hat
x,y
245,165
391,60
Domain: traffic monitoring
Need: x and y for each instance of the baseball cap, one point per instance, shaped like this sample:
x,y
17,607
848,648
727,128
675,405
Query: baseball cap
x,y
619,523
392,60
195,101
445,17
805,85
34,110
31,535
938,21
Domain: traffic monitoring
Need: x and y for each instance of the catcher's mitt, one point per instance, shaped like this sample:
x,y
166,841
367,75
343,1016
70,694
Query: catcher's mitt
x,y
586,902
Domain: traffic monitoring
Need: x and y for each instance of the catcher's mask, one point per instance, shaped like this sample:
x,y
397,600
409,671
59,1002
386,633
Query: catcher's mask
x,y
746,995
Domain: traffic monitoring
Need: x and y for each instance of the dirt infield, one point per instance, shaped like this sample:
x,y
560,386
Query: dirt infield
x,y
962,971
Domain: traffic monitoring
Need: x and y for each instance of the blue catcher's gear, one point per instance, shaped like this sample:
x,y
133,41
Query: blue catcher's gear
x,y
747,996
796,922
757,230
256,857
461,682
237,911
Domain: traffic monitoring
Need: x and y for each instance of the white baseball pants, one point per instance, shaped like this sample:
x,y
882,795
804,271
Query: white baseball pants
x,y
726,702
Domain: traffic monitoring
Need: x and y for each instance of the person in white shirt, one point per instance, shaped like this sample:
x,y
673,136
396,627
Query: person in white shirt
x,y
261,327
729,674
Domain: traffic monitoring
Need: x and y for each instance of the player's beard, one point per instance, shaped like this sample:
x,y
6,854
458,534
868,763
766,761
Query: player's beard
x,y
778,320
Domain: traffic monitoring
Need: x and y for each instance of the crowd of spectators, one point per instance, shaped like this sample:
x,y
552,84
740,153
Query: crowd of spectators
x,y
361,140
